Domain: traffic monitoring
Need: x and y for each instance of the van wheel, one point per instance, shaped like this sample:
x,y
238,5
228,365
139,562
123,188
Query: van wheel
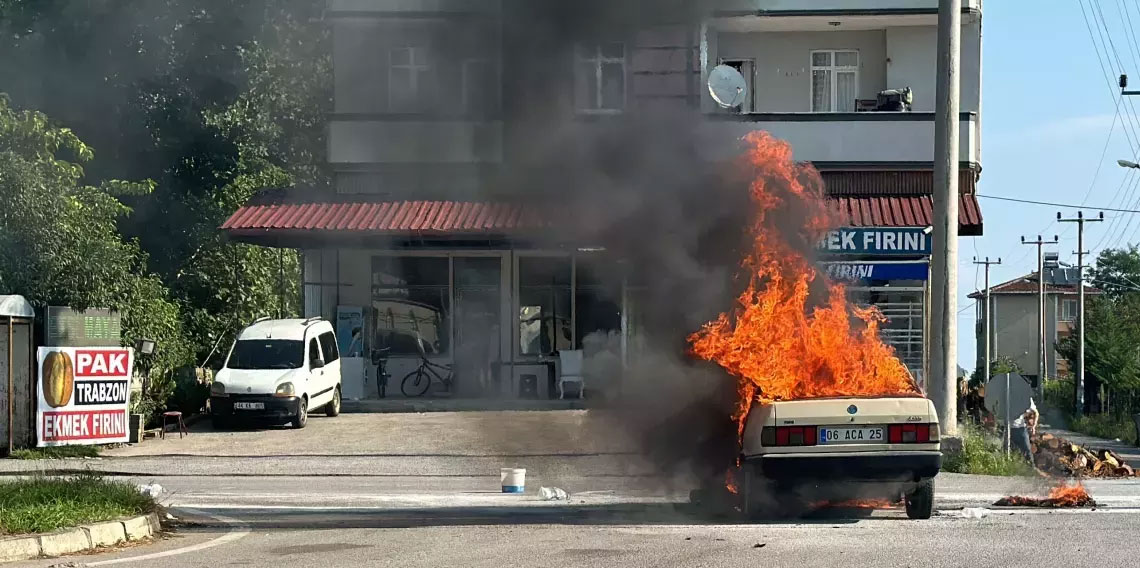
x,y
920,502
302,416
333,407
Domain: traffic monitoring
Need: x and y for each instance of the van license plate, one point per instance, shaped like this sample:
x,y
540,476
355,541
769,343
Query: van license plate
x,y
870,435
249,405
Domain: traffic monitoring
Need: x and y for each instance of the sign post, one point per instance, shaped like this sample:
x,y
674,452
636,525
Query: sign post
x,y
83,395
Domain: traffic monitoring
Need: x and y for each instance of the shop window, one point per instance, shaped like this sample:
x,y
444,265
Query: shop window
x,y
597,300
410,305
544,305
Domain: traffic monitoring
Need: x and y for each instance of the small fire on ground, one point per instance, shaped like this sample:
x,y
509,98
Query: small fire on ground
x,y
856,504
1063,495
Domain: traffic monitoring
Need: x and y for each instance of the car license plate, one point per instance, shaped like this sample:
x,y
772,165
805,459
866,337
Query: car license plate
x,y
870,435
249,405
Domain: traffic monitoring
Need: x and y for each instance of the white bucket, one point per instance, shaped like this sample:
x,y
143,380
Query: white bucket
x,y
513,478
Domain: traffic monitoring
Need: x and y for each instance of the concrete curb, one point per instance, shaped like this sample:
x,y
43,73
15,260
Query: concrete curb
x,y
79,539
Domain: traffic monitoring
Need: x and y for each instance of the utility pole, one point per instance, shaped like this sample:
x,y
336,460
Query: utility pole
x,y
988,358
1080,220
986,337
1042,357
944,337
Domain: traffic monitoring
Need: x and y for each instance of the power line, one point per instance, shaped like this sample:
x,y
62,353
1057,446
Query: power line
x,y
1129,134
1053,204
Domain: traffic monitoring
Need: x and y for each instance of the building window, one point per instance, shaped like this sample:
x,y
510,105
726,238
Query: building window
x,y
409,78
600,77
411,304
597,301
1068,310
834,80
544,305
745,67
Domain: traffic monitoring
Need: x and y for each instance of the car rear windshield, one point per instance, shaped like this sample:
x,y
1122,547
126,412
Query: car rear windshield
x,y
267,354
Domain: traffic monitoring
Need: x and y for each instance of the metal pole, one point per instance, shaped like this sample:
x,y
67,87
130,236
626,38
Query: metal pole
x,y
1042,358
1008,436
1080,382
11,389
944,346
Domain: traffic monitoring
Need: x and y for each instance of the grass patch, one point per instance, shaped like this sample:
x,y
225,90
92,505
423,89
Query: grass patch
x,y
56,452
43,504
1105,426
982,455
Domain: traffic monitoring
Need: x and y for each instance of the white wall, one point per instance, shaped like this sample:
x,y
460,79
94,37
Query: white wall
x,y
800,5
912,62
378,141
783,63
842,141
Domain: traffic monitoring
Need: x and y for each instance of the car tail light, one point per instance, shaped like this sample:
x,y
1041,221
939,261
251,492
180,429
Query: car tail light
x,y
912,433
789,436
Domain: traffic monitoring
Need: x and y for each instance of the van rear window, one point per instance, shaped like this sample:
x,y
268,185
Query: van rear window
x,y
267,354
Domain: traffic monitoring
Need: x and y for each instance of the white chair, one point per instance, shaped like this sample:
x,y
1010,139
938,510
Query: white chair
x,y
570,363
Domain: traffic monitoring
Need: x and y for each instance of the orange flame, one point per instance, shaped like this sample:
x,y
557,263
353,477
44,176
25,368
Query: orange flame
x,y
1063,495
781,342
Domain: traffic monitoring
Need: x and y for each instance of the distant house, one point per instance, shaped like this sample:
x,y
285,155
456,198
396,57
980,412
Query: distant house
x,y
1014,320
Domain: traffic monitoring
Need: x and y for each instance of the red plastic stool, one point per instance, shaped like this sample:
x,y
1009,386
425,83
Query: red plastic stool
x,y
177,416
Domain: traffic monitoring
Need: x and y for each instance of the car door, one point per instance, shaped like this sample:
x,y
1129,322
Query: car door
x,y
315,377
332,361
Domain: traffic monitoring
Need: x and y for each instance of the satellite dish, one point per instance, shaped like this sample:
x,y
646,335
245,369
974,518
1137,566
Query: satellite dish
x,y
727,86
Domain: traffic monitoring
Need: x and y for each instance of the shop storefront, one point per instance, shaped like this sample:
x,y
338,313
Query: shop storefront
x,y
889,268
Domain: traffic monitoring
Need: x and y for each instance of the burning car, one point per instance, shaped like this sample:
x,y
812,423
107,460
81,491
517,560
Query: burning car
x,y
879,447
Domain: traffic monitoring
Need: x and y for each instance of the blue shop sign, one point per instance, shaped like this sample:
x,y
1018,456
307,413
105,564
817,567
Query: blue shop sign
x,y
912,241
867,271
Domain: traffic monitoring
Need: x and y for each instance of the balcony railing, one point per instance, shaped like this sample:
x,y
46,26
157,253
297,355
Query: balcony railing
x,y
840,138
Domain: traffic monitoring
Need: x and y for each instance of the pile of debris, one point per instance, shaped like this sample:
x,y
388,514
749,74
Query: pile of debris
x,y
1061,496
1059,457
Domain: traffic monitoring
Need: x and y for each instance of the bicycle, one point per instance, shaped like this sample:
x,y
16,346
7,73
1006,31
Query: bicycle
x,y
417,382
380,359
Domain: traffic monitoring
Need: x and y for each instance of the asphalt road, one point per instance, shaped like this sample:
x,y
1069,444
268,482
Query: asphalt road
x,y
272,498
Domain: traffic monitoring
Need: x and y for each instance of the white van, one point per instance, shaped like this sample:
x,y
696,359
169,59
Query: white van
x,y
278,370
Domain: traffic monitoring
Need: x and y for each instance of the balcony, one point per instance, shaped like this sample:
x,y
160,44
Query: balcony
x,y
837,139
839,7
407,140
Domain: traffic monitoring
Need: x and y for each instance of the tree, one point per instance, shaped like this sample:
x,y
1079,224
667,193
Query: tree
x,y
59,243
214,101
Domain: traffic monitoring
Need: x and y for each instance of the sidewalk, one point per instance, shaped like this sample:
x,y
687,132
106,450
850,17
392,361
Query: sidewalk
x,y
1131,454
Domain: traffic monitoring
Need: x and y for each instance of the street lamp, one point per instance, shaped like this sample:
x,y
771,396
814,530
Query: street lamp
x,y
1127,164
145,347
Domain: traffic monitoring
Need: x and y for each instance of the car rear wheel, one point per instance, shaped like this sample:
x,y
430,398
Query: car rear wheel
x,y
920,501
333,407
302,417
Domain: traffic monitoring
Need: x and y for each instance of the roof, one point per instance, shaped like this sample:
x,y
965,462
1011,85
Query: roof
x,y
279,329
16,306
1057,281
891,182
379,217
904,211
365,217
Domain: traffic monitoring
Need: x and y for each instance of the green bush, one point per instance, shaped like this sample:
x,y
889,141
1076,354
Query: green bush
x,y
982,455
1105,426
1061,394
43,504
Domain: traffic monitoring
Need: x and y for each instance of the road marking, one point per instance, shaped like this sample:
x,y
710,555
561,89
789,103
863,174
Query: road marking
x,y
237,531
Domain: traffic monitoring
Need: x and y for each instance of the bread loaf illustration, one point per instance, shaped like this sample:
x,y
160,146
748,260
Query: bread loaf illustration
x,y
58,378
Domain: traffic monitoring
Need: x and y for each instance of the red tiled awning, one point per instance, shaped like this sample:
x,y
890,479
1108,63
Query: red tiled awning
x,y
904,211
441,218
419,217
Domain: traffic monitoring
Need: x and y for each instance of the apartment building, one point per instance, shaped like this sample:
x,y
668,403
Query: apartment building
x,y
434,98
